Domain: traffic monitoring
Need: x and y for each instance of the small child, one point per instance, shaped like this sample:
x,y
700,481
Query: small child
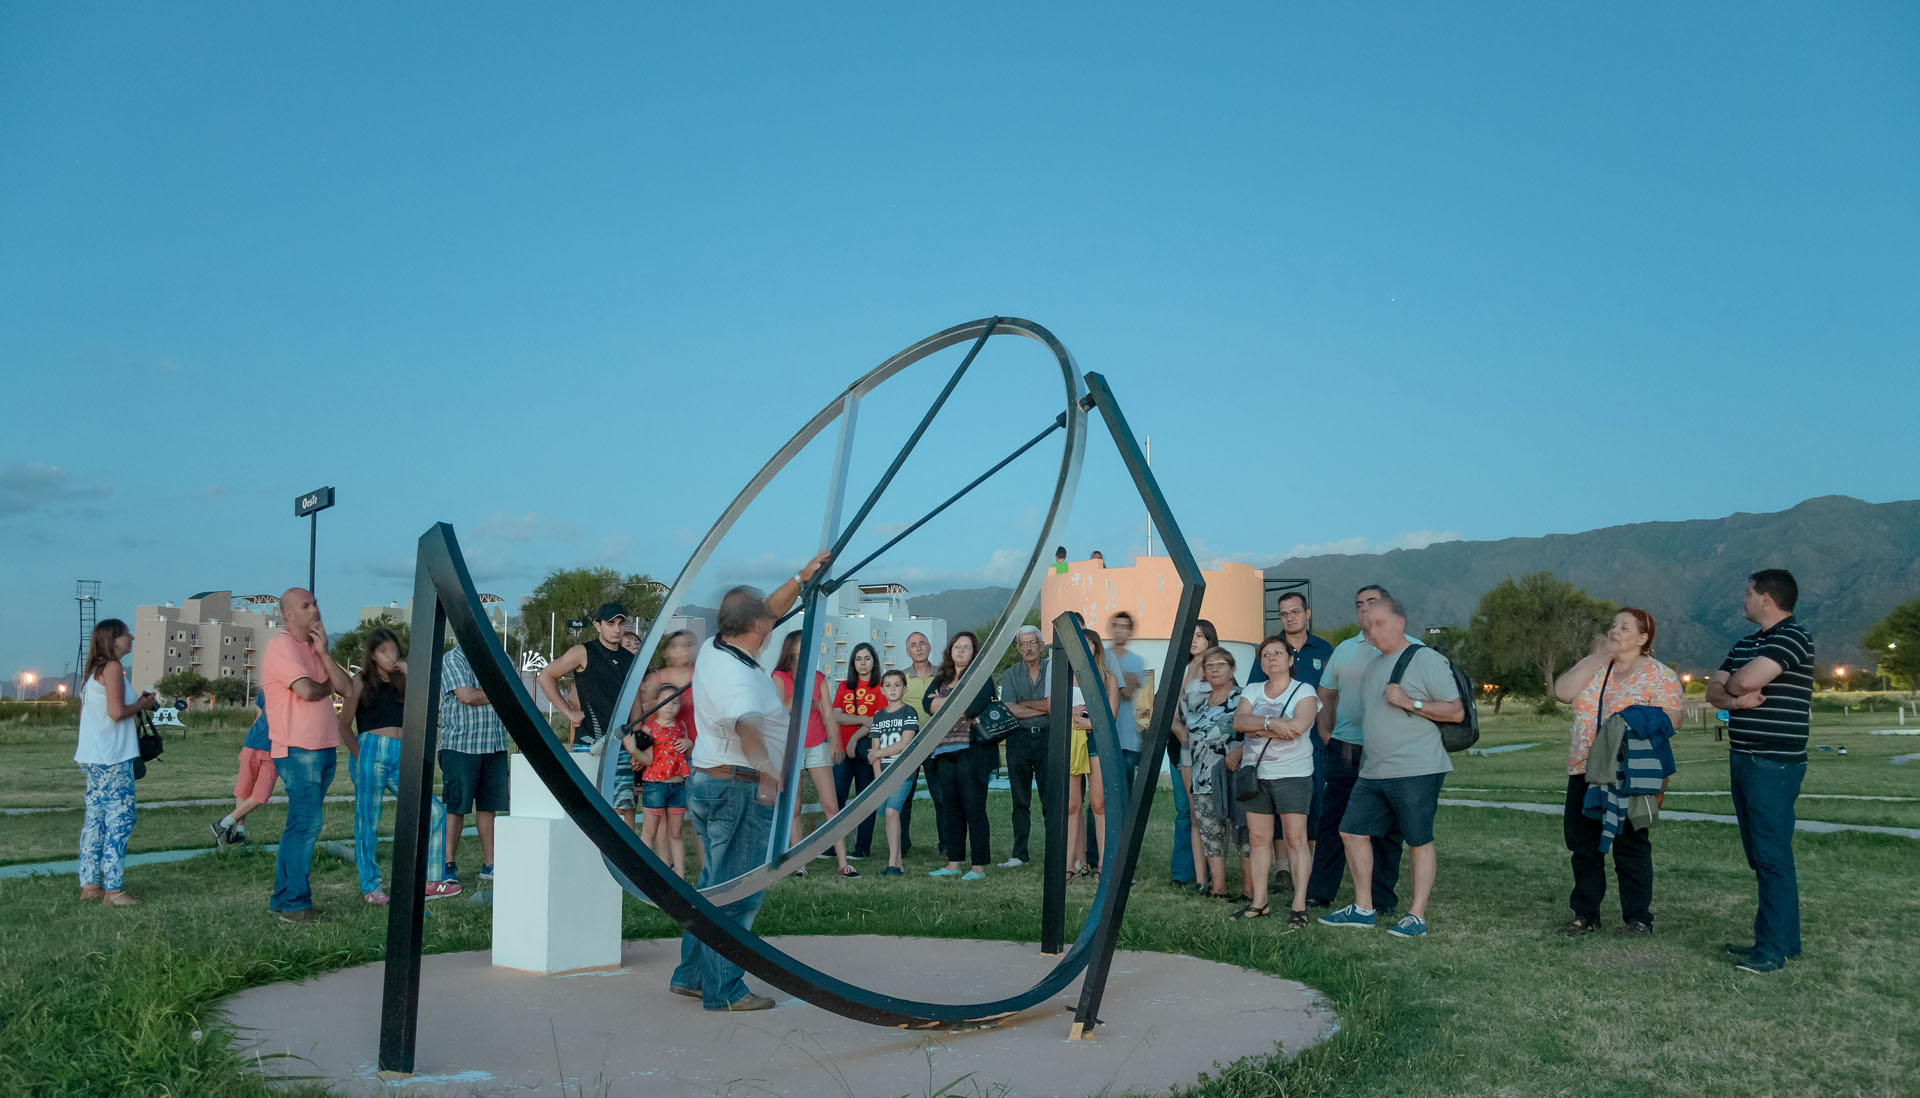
x,y
893,729
255,783
663,781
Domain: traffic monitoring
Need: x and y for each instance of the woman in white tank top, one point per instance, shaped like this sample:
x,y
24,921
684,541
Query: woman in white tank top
x,y
108,746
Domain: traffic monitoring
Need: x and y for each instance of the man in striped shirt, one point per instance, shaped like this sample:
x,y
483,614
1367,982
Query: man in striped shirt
x,y
1766,685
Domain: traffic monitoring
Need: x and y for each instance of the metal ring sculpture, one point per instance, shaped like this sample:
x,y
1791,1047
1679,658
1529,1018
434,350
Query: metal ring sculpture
x,y
444,596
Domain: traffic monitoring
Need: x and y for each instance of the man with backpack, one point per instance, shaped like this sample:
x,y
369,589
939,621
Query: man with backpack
x,y
1409,691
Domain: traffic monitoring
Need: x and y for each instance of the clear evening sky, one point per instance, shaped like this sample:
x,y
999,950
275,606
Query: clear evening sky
x,y
565,276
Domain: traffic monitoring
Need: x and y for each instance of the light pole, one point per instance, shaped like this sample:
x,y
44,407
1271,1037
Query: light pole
x,y
309,506
27,679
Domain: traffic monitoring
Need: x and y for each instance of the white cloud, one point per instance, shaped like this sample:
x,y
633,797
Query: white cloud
x,y
1362,546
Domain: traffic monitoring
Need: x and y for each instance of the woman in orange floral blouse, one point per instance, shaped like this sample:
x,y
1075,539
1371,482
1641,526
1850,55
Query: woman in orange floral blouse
x,y
1618,673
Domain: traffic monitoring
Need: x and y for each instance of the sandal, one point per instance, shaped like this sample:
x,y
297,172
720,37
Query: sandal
x,y
1579,925
1216,896
1252,912
1296,920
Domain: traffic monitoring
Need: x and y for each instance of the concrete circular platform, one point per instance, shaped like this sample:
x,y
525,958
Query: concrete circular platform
x,y
490,1031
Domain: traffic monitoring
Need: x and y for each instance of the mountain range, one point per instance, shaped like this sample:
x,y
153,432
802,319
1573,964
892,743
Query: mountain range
x,y
1854,561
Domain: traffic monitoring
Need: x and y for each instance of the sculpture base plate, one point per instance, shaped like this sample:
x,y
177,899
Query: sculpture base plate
x,y
485,1030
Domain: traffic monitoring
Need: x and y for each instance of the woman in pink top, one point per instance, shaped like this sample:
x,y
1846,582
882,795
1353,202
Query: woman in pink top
x,y
1618,673
822,751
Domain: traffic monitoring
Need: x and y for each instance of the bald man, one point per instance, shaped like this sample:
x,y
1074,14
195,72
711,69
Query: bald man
x,y
300,678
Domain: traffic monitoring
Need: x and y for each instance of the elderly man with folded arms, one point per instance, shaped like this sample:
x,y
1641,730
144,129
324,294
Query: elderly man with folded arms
x,y
742,740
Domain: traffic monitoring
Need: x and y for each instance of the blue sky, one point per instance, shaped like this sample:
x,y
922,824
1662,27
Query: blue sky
x,y
565,277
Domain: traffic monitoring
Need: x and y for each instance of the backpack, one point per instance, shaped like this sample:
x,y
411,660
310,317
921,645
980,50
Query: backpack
x,y
1454,735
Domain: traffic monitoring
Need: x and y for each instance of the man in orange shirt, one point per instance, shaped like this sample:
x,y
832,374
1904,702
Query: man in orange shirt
x,y
300,679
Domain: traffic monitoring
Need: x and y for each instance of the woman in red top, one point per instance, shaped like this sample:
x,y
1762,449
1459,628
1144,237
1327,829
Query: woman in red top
x,y
821,750
854,705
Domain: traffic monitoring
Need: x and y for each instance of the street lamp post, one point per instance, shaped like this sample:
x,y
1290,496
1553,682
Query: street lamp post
x,y
309,506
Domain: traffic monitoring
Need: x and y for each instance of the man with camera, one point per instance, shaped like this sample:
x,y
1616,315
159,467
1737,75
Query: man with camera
x,y
736,776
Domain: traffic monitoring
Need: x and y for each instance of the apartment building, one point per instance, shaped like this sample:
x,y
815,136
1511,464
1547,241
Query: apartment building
x,y
212,633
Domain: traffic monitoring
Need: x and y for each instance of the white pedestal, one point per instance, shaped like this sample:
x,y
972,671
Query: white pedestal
x,y
555,906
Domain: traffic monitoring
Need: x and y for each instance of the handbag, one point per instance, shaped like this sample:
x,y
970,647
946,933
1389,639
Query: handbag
x,y
150,744
1246,779
995,723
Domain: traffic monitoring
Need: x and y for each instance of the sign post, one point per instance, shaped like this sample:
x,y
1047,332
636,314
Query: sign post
x,y
308,506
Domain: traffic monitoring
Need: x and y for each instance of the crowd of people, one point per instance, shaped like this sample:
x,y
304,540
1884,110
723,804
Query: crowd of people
x,y
1325,761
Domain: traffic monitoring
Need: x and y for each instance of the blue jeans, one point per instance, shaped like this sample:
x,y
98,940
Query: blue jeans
x,y
305,775
1182,823
849,777
1763,796
735,828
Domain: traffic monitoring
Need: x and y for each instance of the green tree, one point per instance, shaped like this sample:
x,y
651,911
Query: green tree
x,y
229,691
181,684
575,593
1895,643
1537,622
1468,652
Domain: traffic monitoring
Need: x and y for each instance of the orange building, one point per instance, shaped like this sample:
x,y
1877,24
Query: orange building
x,y
1150,591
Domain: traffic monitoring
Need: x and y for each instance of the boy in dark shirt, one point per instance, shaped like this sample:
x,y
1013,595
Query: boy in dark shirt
x,y
893,729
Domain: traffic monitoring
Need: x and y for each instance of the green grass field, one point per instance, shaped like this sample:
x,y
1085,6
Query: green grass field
x,y
1494,1002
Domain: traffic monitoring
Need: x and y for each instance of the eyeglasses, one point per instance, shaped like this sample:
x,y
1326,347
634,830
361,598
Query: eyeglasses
x,y
1215,665
1293,613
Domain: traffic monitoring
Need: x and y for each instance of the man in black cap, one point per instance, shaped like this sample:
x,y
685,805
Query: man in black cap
x,y
599,667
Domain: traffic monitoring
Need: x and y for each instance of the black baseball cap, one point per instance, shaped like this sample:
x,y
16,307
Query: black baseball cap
x,y
609,611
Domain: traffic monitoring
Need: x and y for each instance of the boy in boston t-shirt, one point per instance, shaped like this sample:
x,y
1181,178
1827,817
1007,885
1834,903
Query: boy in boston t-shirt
x,y
893,729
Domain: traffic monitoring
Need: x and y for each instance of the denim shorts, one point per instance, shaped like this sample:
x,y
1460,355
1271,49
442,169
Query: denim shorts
x,y
663,796
474,779
897,800
1377,803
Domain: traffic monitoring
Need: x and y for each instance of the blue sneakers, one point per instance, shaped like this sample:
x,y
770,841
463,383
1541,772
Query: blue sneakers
x,y
1349,915
973,875
1409,926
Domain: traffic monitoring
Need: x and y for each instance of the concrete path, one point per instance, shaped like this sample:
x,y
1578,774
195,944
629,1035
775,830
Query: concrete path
x,y
339,848
497,1032
1817,826
205,802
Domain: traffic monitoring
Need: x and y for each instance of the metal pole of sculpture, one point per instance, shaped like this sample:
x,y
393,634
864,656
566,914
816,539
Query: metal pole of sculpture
x,y
445,597
1053,905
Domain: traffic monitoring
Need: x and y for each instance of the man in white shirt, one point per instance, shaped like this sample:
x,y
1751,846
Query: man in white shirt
x,y
742,726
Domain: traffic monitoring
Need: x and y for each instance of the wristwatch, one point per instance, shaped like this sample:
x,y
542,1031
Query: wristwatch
x,y
1418,704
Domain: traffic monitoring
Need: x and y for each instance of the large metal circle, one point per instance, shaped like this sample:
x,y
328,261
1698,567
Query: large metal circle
x,y
1008,622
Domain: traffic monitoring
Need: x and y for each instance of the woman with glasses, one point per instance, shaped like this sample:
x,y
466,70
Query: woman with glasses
x,y
1206,711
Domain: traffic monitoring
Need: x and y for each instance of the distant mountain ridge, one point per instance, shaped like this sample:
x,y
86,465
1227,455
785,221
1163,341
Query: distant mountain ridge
x,y
1854,561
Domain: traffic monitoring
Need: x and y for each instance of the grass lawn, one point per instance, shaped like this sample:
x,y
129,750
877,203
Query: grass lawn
x,y
1494,1002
